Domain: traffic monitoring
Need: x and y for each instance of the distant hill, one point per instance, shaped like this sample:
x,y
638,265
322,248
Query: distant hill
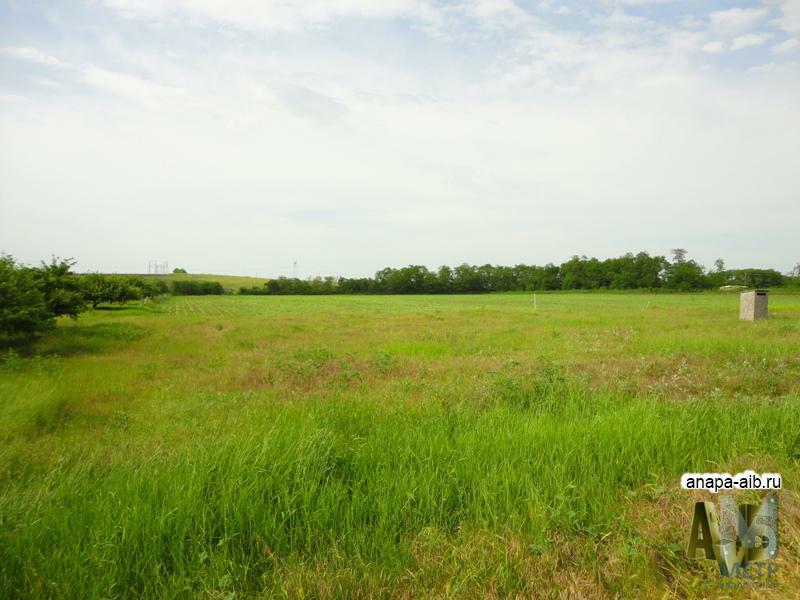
x,y
233,282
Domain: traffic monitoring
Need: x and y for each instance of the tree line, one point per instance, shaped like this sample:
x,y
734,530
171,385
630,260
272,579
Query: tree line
x,y
629,272
32,298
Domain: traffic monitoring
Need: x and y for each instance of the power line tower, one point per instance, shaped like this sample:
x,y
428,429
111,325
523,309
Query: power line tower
x,y
155,267
294,269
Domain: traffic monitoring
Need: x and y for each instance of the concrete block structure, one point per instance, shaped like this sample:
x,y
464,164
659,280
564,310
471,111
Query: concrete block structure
x,y
753,305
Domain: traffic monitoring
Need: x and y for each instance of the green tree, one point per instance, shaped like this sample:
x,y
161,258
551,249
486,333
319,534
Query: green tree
x,y
679,255
581,273
23,306
467,278
197,288
97,289
686,276
61,288
444,279
126,289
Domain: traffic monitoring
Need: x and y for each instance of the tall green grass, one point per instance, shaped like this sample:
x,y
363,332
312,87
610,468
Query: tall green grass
x,y
353,482
340,447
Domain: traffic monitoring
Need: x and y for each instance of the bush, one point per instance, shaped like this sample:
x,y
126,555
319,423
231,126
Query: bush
x,y
23,308
99,289
197,288
32,297
61,288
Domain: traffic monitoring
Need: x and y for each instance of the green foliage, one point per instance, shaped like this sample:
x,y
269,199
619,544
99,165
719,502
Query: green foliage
x,y
196,287
61,288
23,306
629,272
108,289
757,278
96,289
31,298
679,255
685,276
178,271
285,286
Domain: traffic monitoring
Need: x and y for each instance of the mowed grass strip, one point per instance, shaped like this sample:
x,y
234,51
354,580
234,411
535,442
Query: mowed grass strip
x,y
305,447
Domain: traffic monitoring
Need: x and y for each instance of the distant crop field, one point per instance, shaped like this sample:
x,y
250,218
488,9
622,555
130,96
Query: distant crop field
x,y
390,446
231,282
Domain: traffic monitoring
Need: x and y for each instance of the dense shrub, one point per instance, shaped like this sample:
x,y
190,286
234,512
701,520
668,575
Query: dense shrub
x,y
197,288
61,288
107,289
32,297
23,309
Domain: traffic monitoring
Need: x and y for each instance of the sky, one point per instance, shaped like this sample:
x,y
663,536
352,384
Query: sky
x,y
350,135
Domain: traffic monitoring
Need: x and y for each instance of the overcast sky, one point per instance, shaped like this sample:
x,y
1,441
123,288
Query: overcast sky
x,y
349,135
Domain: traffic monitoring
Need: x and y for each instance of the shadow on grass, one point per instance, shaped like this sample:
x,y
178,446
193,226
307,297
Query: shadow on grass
x,y
89,339
18,345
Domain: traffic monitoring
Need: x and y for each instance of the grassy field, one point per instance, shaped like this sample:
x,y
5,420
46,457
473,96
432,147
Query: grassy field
x,y
451,446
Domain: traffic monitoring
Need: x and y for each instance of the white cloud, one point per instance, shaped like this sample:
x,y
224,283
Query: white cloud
x,y
749,40
441,20
713,47
789,20
691,22
527,139
273,14
735,20
640,2
130,86
47,83
790,45
558,9
13,99
33,55
492,9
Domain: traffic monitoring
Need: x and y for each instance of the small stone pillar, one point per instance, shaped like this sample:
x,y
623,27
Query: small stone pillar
x,y
753,305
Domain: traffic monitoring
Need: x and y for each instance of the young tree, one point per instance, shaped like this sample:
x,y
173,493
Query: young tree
x,y
61,288
679,255
97,289
23,306
125,289
719,276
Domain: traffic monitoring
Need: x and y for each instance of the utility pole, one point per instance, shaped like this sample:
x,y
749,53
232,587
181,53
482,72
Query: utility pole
x,y
294,269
